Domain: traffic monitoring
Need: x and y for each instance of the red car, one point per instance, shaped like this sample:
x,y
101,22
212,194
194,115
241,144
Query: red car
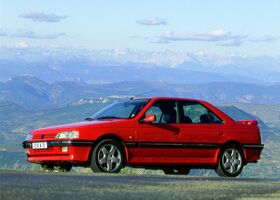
x,y
172,134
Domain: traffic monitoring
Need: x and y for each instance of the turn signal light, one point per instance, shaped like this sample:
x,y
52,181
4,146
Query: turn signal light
x,y
64,149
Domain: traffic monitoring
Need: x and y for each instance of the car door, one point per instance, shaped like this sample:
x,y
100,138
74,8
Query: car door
x,y
158,141
202,131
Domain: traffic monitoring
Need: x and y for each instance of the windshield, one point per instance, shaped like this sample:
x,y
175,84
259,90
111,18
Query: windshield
x,y
121,110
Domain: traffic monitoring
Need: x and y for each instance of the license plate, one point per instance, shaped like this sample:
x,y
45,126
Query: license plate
x,y
39,145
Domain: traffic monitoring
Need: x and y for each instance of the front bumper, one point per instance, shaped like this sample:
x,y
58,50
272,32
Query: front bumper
x,y
61,143
78,151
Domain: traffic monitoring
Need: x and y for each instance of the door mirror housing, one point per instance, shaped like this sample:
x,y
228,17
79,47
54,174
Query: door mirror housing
x,y
149,118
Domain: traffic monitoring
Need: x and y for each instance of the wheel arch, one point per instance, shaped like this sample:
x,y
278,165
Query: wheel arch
x,y
111,136
229,143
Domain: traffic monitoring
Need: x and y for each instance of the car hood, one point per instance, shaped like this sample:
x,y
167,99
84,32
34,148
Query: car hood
x,y
77,126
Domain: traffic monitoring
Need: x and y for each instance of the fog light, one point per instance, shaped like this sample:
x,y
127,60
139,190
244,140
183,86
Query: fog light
x,y
64,149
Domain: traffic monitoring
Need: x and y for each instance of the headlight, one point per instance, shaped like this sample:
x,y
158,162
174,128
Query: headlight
x,y
68,135
28,137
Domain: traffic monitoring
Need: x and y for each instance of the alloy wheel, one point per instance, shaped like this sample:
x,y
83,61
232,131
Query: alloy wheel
x,y
232,160
109,157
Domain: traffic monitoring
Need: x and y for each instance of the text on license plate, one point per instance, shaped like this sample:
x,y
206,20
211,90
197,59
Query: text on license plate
x,y
39,145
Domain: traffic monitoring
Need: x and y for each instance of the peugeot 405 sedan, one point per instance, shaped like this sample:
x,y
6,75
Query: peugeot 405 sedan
x,y
172,134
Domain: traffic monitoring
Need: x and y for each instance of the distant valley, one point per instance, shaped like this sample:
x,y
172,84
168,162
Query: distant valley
x,y
33,93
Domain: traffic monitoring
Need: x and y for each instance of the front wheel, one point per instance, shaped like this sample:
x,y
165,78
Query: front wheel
x,y
107,157
230,162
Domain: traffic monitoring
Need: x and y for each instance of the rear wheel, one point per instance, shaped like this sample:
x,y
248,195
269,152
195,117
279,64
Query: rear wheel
x,y
107,157
231,162
176,171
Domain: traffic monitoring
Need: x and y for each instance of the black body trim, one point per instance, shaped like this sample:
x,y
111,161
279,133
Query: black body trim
x,y
253,146
186,145
171,145
52,143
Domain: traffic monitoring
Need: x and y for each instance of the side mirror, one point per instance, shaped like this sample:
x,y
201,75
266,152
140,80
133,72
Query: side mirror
x,y
149,119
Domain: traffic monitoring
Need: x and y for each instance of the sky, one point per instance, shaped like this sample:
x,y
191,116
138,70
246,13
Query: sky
x,y
250,27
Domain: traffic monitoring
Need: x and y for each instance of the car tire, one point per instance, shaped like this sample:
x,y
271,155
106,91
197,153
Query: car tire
x,y
231,161
107,157
176,171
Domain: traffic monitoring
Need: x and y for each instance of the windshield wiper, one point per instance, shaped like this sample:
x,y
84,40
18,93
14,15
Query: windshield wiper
x,y
108,117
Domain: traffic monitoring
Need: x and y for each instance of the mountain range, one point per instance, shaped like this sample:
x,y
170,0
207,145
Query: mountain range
x,y
116,65
33,93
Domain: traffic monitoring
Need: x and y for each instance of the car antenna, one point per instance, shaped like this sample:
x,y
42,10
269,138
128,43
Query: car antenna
x,y
147,92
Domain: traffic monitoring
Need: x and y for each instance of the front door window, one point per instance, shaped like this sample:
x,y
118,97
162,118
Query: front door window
x,y
165,112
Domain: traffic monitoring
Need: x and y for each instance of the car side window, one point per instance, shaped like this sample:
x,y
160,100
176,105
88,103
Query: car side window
x,y
196,113
165,112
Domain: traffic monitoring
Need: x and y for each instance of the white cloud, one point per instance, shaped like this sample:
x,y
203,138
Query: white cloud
x,y
152,21
211,36
265,38
158,40
218,33
219,37
234,42
22,44
42,17
32,35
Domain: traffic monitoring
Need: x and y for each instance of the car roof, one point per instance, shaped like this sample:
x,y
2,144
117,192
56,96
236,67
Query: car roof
x,y
165,98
